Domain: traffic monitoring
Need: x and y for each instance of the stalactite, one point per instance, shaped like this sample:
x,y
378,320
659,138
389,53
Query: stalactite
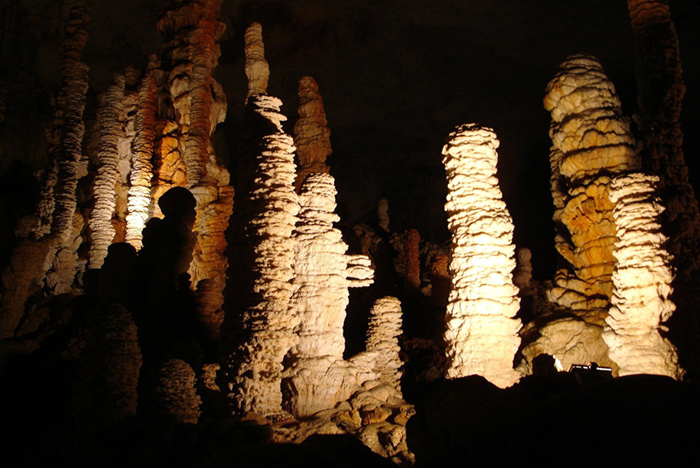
x,y
382,338
311,133
175,395
139,195
320,378
256,68
482,331
642,280
591,140
661,90
111,122
265,329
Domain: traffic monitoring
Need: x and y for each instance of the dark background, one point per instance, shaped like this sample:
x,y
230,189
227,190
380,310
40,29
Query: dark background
x,y
396,77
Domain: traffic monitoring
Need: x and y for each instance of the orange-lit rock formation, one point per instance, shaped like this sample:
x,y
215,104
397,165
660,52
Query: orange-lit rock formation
x,y
482,331
256,68
311,133
111,122
661,90
642,279
175,395
322,274
265,333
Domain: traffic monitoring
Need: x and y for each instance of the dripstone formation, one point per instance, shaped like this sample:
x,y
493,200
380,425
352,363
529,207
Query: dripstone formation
x,y
482,331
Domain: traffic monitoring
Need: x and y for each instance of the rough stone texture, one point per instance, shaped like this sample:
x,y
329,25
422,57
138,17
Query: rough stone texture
x,y
383,340
591,140
175,395
661,90
256,68
111,122
522,275
139,195
110,363
642,280
482,331
311,133
265,330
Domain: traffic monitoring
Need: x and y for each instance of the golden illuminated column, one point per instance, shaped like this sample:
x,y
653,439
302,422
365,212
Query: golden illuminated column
x,y
383,334
642,280
322,275
264,331
592,140
311,132
139,195
256,68
482,331
111,122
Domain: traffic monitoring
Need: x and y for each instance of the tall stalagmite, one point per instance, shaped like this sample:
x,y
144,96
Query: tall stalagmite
x,y
311,133
642,280
111,122
256,68
482,331
383,339
264,333
322,274
591,141
661,90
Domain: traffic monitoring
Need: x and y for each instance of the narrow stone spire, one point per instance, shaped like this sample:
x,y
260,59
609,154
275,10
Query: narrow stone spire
x,y
256,68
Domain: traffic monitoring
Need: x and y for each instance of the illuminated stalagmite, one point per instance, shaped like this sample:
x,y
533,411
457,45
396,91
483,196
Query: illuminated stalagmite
x,y
661,90
482,331
642,280
200,105
383,340
323,273
265,333
111,122
591,141
175,395
256,68
311,133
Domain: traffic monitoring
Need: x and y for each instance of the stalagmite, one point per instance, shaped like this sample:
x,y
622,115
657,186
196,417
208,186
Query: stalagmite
x,y
382,338
256,68
139,196
482,332
265,331
175,395
642,280
311,134
522,275
322,274
591,141
661,90
111,121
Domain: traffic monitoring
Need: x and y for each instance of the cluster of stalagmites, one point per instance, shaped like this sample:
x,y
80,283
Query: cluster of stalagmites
x,y
482,331
642,280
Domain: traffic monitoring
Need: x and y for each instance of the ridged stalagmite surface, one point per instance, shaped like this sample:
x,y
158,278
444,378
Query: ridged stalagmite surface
x,y
139,197
383,339
111,121
661,91
311,133
176,398
642,280
256,68
267,325
482,332
322,275
591,140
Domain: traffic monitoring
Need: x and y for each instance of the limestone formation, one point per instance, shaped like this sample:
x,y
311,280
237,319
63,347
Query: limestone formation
x,y
642,279
175,395
311,133
383,339
266,327
110,364
482,331
661,90
591,141
139,195
111,122
256,68
322,274
522,275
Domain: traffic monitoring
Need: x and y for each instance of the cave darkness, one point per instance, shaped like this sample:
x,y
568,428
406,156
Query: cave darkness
x,y
396,77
